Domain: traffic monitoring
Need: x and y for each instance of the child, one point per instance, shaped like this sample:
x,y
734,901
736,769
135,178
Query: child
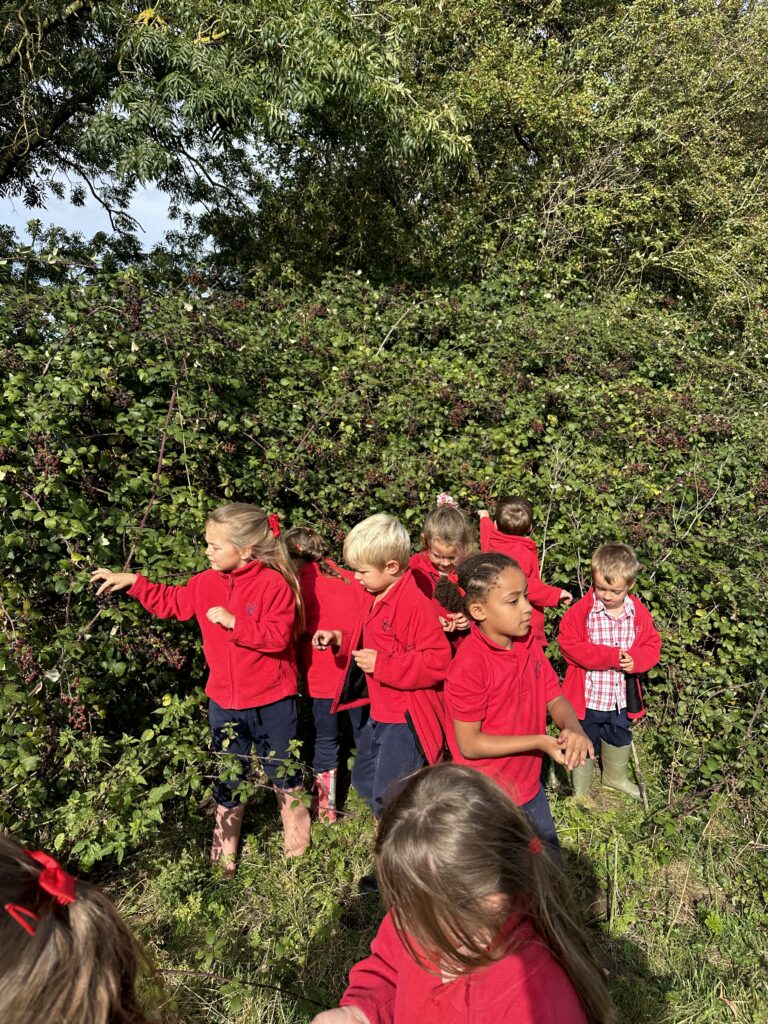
x,y
606,638
400,647
481,926
500,688
247,605
65,954
510,534
446,540
331,595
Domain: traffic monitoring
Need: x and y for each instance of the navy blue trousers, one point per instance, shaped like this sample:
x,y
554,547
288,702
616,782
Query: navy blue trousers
x,y
326,754
540,816
386,753
612,726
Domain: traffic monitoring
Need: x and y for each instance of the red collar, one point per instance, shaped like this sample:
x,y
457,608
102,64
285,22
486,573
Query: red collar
x,y
520,645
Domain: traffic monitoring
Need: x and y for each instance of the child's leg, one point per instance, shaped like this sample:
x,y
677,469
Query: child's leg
x,y
398,757
273,728
581,776
540,816
326,757
229,735
615,752
358,718
364,768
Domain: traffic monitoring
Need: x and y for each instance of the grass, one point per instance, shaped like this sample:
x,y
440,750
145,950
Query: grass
x,y
676,904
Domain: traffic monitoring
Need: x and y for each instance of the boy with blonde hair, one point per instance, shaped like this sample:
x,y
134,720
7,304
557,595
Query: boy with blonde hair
x,y
398,658
607,639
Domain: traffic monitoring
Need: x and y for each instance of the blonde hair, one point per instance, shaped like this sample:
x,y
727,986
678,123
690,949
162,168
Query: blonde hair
x,y
377,540
616,563
455,858
306,545
514,515
249,528
81,965
448,525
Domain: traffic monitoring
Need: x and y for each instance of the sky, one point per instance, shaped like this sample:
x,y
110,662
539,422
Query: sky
x,y
149,206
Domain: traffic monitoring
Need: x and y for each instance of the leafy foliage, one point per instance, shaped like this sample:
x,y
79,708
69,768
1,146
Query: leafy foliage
x,y
130,410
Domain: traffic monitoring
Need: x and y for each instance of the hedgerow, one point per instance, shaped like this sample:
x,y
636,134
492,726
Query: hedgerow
x,y
130,409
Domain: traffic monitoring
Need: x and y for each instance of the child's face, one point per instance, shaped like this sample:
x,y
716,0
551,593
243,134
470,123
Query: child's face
x,y
443,556
221,552
505,614
375,580
611,594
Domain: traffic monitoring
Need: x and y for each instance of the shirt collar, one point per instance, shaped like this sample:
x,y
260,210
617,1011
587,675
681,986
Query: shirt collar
x,y
628,609
519,645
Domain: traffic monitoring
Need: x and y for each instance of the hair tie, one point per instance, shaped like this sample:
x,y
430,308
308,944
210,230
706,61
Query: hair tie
x,y
446,499
54,880
534,845
274,524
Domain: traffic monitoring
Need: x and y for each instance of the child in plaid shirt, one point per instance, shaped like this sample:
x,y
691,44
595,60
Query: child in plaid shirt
x,y
607,638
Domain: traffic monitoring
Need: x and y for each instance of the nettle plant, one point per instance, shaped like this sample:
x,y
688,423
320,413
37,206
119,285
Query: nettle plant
x,y
131,409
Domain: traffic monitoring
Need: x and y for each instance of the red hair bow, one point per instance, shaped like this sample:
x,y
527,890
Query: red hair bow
x,y
454,578
54,880
534,845
274,524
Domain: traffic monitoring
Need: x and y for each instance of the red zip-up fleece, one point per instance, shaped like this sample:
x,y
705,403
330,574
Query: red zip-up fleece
x,y
427,578
582,655
528,986
329,603
252,664
508,690
524,552
412,659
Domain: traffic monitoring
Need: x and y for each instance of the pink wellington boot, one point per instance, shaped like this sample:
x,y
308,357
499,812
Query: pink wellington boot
x,y
226,836
297,824
325,787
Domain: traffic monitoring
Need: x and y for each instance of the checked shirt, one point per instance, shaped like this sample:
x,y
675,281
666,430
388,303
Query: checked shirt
x,y
606,689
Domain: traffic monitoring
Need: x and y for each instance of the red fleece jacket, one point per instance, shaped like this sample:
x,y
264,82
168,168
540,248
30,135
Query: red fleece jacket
x,y
330,602
252,664
582,655
527,987
524,552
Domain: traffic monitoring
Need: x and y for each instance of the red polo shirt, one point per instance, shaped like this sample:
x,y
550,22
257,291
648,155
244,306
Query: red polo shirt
x,y
508,691
427,577
330,602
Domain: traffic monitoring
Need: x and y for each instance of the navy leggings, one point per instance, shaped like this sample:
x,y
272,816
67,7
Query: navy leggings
x,y
268,730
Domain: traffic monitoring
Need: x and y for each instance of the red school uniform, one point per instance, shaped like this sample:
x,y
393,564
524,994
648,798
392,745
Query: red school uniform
x,y
427,577
508,690
330,602
527,986
523,550
252,664
582,655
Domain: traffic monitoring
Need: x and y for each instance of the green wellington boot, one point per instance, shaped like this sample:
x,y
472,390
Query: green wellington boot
x,y
581,777
615,761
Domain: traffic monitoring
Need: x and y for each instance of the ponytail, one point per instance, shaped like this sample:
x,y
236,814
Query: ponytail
x,y
306,545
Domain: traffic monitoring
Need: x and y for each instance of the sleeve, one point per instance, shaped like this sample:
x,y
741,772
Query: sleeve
x,y
542,594
270,628
373,982
166,602
646,650
466,696
486,528
578,651
425,661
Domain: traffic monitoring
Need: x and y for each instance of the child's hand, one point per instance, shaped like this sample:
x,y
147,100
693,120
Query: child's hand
x,y
484,513
366,660
221,616
576,747
341,1015
113,581
460,621
448,624
325,638
565,597
552,748
626,664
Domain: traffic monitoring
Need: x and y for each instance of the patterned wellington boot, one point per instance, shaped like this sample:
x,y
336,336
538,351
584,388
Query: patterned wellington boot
x,y
325,787
297,824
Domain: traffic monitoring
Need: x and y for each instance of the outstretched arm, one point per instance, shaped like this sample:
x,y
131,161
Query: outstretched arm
x,y
113,581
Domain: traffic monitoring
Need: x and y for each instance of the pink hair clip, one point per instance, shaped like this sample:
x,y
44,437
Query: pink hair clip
x,y
446,499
